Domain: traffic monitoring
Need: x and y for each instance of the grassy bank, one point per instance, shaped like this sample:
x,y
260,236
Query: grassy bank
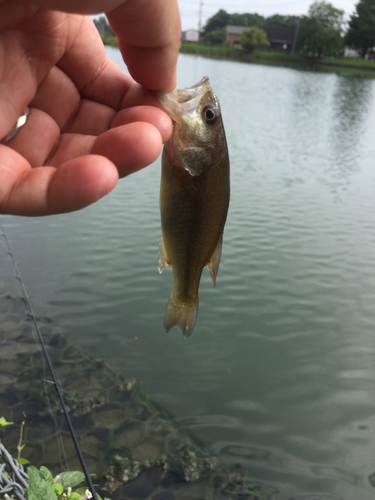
x,y
355,67
110,40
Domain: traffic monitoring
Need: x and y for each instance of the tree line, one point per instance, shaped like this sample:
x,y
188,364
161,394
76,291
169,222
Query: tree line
x,y
322,32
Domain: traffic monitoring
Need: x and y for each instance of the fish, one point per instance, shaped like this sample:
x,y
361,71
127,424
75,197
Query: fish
x,y
194,197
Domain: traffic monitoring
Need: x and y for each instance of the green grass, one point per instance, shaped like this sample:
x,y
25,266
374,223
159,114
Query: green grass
x,y
199,46
341,65
359,63
110,40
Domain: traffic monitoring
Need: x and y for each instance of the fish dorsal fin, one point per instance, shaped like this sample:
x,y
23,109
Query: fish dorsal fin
x,y
213,263
163,260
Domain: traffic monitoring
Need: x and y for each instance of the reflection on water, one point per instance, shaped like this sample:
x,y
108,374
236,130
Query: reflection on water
x,y
279,372
352,97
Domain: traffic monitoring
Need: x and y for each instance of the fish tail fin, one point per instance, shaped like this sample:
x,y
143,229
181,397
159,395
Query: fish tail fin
x,y
181,314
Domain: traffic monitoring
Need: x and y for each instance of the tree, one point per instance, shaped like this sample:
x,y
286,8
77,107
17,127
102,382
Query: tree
x,y
361,32
219,20
251,37
214,37
320,32
246,19
326,15
103,27
280,20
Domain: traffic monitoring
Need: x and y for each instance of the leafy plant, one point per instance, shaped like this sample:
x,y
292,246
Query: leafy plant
x,y
4,423
214,37
251,37
361,30
320,33
43,486
20,446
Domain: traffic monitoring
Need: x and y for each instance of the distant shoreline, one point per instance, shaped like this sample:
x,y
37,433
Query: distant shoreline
x,y
348,66
355,67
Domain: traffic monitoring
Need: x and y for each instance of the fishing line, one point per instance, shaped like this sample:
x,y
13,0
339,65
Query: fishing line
x,y
52,371
64,465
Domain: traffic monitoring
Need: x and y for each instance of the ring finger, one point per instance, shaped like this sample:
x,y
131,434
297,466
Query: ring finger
x,y
36,139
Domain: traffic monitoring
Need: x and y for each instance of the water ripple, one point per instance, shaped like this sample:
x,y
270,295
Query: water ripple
x,y
278,375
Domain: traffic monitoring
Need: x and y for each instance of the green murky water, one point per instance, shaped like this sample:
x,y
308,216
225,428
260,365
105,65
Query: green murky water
x,y
279,373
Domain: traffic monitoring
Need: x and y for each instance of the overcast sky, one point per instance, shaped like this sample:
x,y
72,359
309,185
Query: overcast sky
x,y
190,8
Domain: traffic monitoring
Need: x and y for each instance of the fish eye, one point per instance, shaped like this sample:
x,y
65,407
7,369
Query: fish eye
x,y
210,114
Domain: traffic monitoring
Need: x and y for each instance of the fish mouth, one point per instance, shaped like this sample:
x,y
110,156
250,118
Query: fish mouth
x,y
184,100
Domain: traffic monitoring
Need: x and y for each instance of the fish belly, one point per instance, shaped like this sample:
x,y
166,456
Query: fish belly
x,y
193,212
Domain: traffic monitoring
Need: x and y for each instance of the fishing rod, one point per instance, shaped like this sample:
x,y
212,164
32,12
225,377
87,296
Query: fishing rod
x,y
50,366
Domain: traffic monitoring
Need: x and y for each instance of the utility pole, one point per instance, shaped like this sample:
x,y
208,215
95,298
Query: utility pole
x,y
295,37
200,16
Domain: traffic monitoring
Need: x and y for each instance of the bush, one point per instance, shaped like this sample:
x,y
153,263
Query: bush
x,y
251,37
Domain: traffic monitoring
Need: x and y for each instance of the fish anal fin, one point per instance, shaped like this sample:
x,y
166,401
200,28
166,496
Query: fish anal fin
x,y
181,314
213,263
163,260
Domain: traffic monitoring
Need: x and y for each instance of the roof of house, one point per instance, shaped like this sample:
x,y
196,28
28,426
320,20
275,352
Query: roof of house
x,y
280,34
235,30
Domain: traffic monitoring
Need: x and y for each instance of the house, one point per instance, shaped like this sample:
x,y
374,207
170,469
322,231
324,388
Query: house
x,y
349,52
190,35
234,35
281,38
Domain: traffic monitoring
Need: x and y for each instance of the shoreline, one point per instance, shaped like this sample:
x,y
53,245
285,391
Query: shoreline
x,y
347,66
354,67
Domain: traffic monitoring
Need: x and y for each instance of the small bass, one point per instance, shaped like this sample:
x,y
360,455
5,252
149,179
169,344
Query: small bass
x,y
194,197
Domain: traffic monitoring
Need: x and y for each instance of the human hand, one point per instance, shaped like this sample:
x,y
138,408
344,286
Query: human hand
x,y
89,123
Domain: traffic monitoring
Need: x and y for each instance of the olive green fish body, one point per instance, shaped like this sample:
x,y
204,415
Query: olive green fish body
x,y
194,199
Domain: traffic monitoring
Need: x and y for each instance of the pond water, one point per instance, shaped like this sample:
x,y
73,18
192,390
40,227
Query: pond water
x,y
279,373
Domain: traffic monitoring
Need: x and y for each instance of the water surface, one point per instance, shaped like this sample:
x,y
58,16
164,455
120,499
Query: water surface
x,y
279,373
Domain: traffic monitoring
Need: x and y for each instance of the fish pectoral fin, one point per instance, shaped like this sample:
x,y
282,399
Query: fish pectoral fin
x,y
181,314
213,263
196,159
163,260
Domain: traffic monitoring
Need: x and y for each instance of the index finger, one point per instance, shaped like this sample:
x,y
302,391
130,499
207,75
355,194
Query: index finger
x,y
148,34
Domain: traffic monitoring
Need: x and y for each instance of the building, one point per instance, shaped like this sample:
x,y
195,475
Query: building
x,y
349,52
234,35
190,35
281,38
